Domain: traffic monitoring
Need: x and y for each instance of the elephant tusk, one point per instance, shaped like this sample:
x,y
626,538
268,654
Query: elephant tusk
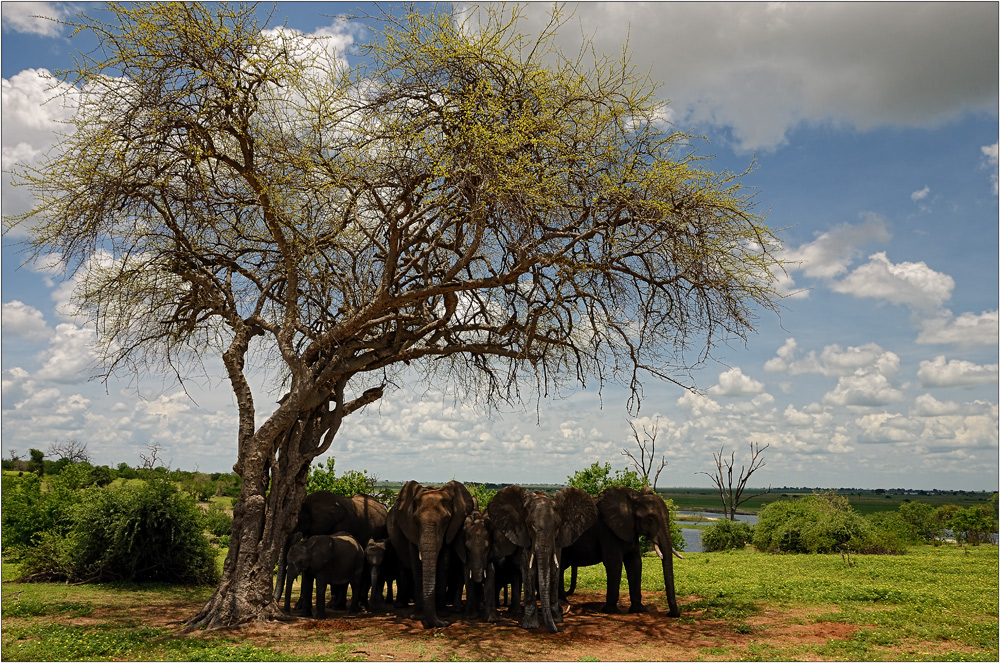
x,y
555,559
678,555
656,547
531,562
420,556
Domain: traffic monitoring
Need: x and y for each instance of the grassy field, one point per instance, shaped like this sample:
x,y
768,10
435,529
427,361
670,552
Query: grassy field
x,y
934,603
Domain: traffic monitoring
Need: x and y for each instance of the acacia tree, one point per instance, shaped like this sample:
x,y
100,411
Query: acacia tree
x,y
468,203
732,496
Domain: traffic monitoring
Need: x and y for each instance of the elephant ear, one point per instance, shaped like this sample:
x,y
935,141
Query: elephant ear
x,y
506,511
405,503
460,550
615,505
578,513
462,505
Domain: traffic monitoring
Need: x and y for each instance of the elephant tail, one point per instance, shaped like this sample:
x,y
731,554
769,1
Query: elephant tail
x,y
572,581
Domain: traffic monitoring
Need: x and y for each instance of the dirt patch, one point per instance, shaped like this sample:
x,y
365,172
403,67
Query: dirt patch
x,y
586,634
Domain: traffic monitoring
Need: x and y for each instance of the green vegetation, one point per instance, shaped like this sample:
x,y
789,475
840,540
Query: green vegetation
x,y
133,531
934,603
726,535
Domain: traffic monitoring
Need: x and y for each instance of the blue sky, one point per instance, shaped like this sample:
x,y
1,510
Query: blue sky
x,y
874,129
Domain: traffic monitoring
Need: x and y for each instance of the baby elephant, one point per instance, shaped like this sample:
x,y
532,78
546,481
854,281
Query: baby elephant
x,y
384,565
329,559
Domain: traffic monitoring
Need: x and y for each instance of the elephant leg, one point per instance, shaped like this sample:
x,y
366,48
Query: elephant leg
x,y
613,568
338,596
528,577
490,596
304,606
633,571
319,611
357,594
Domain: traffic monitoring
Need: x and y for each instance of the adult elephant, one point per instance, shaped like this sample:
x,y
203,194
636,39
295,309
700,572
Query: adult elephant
x,y
322,512
424,523
541,526
625,514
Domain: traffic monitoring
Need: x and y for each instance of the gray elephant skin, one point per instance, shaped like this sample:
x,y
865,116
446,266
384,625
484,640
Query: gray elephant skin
x,y
541,526
488,557
361,516
383,563
327,559
424,522
625,514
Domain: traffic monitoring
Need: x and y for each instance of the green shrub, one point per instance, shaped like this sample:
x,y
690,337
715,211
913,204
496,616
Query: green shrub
x,y
217,521
973,524
818,523
481,494
596,478
141,532
28,508
726,535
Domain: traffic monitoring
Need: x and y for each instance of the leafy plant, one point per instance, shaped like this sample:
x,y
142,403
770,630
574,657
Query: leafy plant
x,y
726,535
597,477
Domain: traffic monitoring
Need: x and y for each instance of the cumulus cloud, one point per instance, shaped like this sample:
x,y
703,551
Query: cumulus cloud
x,y
734,383
833,361
940,372
24,321
990,161
37,18
69,355
917,196
763,69
912,284
33,109
965,331
833,251
866,387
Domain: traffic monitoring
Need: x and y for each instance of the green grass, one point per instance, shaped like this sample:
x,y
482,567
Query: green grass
x,y
933,603
946,595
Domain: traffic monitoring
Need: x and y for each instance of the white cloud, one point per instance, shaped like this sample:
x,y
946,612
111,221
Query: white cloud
x,y
832,252
865,388
734,383
966,331
24,321
940,372
833,361
69,355
990,153
913,284
34,110
37,18
917,196
762,69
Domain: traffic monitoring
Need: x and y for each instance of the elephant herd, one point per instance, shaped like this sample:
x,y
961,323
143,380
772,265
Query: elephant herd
x,y
435,543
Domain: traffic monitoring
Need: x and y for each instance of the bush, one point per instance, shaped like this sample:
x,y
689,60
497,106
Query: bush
x,y
726,535
131,533
217,521
596,478
142,532
481,494
27,509
820,523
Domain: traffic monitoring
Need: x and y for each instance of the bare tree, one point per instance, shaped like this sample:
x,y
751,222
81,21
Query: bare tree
x,y
732,496
73,449
647,452
470,205
151,461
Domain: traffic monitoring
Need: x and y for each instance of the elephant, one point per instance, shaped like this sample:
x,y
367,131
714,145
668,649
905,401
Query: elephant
x,y
329,559
383,561
624,515
424,523
541,526
487,557
322,512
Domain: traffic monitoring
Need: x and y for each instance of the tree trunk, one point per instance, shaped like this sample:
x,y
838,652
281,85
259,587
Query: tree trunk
x,y
270,498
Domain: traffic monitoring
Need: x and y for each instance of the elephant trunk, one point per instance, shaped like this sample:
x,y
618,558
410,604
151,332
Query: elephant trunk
x,y
376,597
666,552
544,559
431,540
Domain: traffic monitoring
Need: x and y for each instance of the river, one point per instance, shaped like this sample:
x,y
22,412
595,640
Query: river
x,y
692,536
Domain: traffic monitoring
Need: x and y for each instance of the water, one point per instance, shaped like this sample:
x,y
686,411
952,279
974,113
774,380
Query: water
x,y
692,537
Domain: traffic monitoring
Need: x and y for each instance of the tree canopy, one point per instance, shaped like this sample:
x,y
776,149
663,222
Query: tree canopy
x,y
466,201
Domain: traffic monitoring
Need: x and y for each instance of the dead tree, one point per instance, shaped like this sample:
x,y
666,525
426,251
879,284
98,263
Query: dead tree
x,y
732,497
647,453
73,450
